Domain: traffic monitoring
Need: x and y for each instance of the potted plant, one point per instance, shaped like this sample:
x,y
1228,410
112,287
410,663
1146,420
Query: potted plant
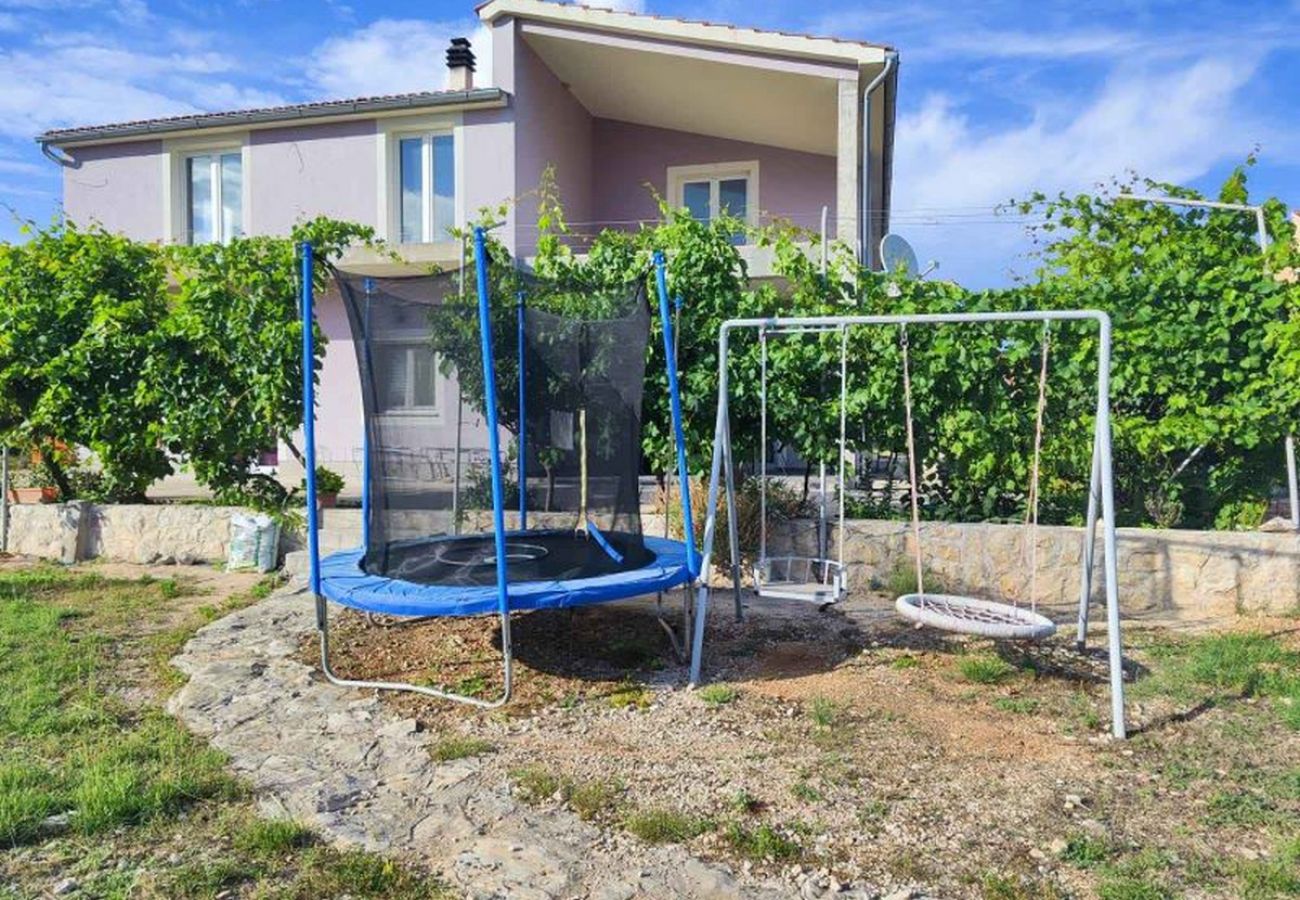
x,y
32,485
328,485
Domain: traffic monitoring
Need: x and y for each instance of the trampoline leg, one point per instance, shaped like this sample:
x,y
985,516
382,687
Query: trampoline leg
x,y
507,659
697,642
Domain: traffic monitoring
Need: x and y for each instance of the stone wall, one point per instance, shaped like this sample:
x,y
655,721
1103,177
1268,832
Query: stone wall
x,y
1162,573
138,533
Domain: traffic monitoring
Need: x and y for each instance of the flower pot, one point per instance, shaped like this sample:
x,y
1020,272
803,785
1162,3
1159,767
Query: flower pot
x,y
34,494
327,501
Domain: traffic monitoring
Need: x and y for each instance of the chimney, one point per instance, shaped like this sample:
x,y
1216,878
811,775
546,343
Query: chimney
x,y
460,65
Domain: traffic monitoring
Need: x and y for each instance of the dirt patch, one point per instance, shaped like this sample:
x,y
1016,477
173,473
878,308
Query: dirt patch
x,y
880,753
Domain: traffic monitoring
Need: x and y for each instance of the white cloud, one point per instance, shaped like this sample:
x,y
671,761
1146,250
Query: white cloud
x,y
20,167
77,81
394,56
1168,125
1172,125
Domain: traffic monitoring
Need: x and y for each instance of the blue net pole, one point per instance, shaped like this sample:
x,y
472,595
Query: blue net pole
x,y
675,402
490,402
365,441
309,414
523,480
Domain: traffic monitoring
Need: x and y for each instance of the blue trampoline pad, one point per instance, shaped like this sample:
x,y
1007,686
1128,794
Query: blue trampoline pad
x,y
343,581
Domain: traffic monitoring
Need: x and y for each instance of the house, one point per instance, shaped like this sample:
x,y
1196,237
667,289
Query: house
x,y
763,123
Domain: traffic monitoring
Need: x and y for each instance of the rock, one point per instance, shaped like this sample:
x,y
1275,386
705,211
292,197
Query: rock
x,y
1058,846
1276,525
55,823
901,894
362,776
65,887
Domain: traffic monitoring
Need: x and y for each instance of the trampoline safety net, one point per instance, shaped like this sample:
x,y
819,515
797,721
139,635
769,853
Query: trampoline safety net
x,y
577,418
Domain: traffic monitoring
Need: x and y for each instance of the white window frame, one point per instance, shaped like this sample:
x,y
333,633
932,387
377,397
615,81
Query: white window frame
x,y
412,344
714,173
391,134
176,189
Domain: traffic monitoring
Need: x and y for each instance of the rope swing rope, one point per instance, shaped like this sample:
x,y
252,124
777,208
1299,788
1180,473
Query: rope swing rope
x,y
969,615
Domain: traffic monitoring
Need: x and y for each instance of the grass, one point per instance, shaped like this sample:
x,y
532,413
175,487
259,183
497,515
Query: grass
x,y
460,747
535,784
472,686
824,713
591,799
103,764
1236,807
1086,850
1137,877
902,580
272,837
745,803
1001,886
718,694
82,767
906,661
984,668
762,842
1025,706
1235,665
804,791
1278,876
659,825
630,696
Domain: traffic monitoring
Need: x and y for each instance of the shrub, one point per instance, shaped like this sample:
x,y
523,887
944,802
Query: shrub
x,y
327,481
1241,515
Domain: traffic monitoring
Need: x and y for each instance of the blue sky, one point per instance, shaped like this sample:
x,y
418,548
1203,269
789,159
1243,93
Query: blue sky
x,y
996,99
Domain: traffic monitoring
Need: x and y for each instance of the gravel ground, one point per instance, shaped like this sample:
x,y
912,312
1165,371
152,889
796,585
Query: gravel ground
x,y
869,746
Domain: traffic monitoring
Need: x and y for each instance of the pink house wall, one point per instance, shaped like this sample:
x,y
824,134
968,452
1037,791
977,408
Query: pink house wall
x,y
551,128
120,186
298,173
792,184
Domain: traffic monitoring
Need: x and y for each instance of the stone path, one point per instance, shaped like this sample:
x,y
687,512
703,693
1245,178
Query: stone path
x,y
336,760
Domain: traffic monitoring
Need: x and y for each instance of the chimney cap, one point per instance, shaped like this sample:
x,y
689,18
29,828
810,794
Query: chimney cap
x,y
459,54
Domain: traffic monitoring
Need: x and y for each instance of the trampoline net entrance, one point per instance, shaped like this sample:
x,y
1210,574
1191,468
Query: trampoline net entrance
x,y
575,412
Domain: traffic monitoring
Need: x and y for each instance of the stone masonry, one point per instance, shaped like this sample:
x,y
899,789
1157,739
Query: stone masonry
x,y
335,759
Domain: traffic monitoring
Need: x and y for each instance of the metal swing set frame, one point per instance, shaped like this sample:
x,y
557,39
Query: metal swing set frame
x,y
1101,496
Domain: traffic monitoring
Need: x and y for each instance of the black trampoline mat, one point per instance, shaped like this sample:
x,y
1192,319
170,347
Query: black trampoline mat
x,y
530,556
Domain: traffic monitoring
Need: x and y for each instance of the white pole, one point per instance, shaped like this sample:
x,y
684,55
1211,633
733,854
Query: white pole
x,y
1089,544
1294,488
1110,557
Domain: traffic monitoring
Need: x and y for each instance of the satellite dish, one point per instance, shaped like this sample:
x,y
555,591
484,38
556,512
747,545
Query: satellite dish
x,y
898,257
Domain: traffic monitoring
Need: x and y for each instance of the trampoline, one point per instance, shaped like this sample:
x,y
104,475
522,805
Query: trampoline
x,y
501,452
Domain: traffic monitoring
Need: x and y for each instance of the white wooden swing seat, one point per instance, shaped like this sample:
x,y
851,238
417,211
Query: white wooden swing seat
x,y
806,578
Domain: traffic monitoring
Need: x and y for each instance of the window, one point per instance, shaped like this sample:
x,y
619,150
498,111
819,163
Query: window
x,y
406,376
426,187
711,190
214,197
